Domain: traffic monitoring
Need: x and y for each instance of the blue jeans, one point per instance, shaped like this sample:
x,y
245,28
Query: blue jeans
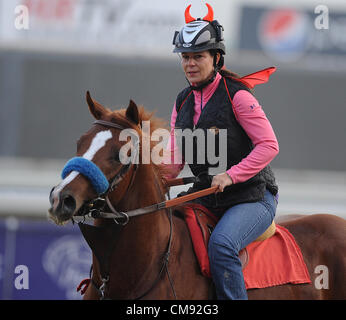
x,y
239,226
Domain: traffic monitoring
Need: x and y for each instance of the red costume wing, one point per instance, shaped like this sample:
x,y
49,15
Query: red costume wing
x,y
258,77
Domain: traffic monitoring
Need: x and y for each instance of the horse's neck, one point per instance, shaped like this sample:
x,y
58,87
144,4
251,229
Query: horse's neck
x,y
144,190
144,239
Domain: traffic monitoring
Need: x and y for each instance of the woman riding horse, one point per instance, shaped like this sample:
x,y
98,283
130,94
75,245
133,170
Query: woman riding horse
x,y
247,197
141,254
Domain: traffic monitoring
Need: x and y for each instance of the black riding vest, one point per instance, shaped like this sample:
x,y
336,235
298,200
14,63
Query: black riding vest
x,y
218,112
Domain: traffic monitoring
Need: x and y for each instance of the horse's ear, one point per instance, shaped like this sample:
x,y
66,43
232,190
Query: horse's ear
x,y
132,112
96,109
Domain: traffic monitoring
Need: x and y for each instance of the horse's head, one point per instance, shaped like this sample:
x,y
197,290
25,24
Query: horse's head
x,y
97,163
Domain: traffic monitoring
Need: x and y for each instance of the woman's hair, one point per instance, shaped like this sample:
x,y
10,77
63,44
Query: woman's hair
x,y
227,73
220,66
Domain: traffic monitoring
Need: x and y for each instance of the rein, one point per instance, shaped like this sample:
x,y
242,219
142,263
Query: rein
x,y
97,213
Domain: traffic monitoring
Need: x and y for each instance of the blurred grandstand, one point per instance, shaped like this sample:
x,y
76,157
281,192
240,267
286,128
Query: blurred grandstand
x,y
122,49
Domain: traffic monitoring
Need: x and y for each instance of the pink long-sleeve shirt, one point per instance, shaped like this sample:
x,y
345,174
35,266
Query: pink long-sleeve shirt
x,y
253,120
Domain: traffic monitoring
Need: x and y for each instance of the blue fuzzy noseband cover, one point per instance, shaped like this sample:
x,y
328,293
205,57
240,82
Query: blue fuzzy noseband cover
x,y
88,169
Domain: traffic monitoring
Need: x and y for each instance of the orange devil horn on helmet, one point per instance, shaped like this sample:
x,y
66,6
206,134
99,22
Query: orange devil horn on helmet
x,y
188,17
210,16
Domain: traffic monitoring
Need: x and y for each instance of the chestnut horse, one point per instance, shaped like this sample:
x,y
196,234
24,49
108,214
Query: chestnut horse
x,y
151,256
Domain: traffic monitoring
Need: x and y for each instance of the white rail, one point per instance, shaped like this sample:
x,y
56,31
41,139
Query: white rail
x,y
25,185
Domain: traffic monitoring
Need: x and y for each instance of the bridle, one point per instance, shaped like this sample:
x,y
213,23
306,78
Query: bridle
x,y
96,209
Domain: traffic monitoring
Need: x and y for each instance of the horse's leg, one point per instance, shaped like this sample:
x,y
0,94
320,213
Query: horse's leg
x,y
91,293
322,240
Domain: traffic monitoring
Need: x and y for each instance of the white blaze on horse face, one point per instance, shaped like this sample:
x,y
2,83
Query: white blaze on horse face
x,y
98,142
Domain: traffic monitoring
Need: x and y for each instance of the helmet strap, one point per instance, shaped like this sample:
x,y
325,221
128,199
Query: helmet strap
x,y
217,64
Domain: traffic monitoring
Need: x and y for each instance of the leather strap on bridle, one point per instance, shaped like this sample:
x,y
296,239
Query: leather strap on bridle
x,y
179,181
109,124
152,208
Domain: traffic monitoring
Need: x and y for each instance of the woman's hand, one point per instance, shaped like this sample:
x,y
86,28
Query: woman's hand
x,y
222,180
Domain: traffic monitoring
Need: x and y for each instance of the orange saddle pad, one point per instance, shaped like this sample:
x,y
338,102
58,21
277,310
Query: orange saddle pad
x,y
275,261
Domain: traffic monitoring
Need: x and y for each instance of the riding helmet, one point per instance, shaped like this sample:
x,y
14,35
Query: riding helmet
x,y
199,34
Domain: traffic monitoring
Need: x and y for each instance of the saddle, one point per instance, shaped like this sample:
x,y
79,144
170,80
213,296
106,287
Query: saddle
x,y
201,222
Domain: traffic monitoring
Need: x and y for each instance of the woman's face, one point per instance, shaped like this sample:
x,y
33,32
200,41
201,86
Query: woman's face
x,y
198,66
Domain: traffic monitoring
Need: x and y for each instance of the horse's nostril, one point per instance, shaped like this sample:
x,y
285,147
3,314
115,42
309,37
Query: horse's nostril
x,y
68,204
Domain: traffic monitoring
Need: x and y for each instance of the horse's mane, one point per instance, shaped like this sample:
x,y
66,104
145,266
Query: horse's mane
x,y
119,116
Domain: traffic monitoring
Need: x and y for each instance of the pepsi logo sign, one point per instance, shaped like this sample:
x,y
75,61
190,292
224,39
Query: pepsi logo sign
x,y
284,34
